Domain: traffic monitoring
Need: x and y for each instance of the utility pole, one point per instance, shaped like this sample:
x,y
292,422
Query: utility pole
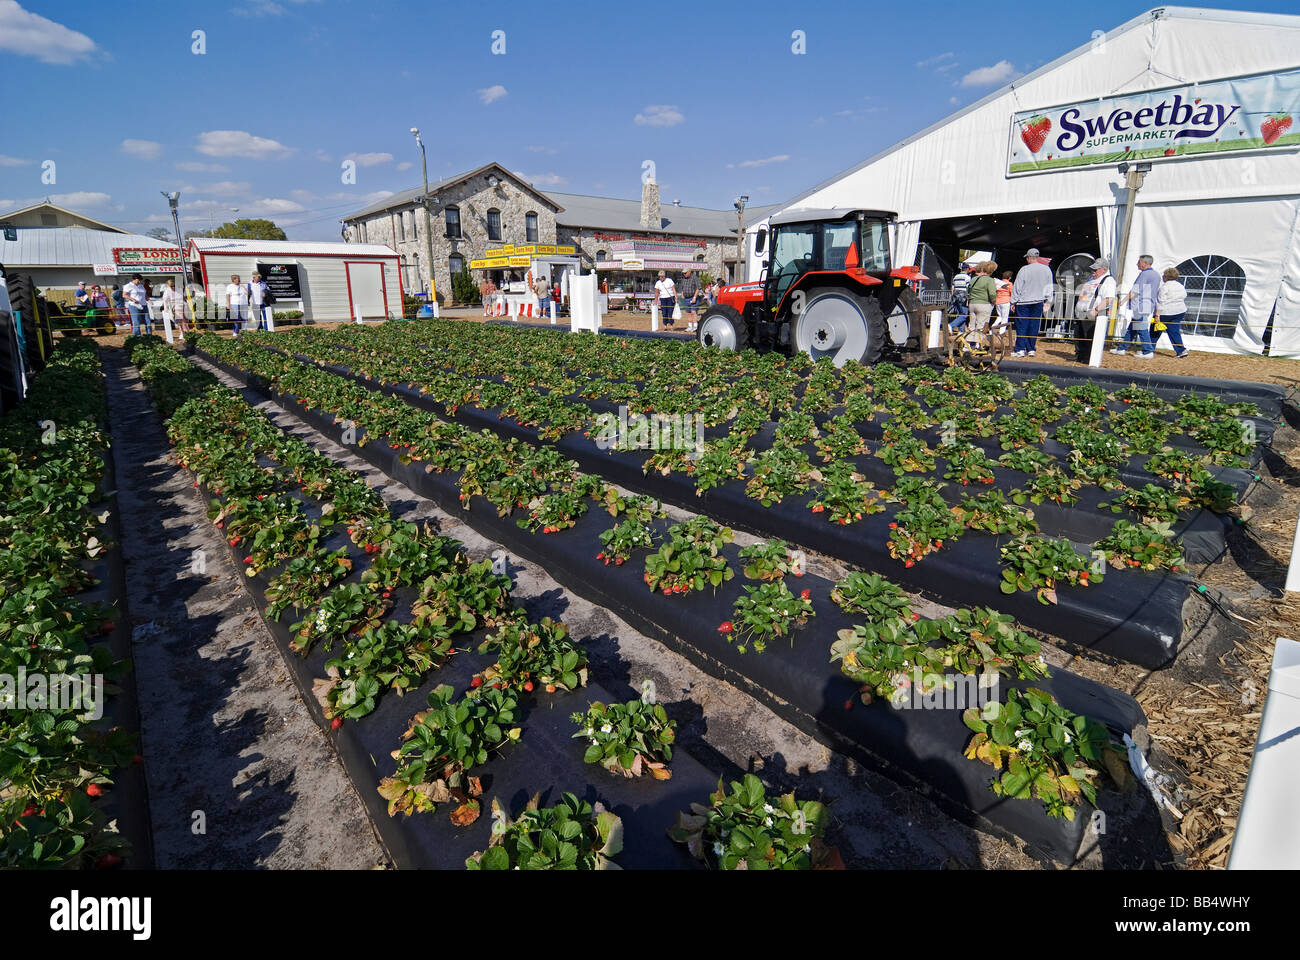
x,y
741,265
428,214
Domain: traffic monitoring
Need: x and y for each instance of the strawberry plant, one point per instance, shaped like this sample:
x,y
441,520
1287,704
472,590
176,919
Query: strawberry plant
x,y
410,555
1146,546
841,440
554,512
620,540
846,494
967,463
347,607
779,472
1031,562
1175,466
391,656
442,744
882,657
1136,398
718,465
305,579
1152,503
914,490
572,835
1051,483
796,428
1043,750
872,595
990,511
1141,430
1026,461
983,639
1085,402
1227,440
920,529
769,560
906,453
765,612
692,558
534,654
461,601
630,739
743,830
1018,430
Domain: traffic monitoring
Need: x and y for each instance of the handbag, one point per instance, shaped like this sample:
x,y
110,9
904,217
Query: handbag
x,y
677,311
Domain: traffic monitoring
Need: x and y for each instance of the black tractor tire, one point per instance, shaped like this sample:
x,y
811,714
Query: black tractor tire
x,y
916,313
23,300
724,328
842,324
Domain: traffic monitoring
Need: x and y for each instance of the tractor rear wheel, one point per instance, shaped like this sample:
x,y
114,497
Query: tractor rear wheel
x,y
723,327
842,325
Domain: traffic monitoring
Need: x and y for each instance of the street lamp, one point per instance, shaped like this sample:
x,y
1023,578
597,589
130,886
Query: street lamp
x,y
173,201
428,214
739,204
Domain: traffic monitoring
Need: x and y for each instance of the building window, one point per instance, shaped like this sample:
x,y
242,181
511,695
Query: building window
x,y
401,225
456,262
600,255
452,216
1215,286
415,225
361,228
699,258
494,224
530,228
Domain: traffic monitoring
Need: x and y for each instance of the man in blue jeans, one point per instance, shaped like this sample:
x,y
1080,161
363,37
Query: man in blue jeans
x,y
136,295
1143,297
1031,292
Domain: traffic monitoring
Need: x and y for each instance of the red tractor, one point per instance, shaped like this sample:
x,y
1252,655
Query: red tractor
x,y
828,290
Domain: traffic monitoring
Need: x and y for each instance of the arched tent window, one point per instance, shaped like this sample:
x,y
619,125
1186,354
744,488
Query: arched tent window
x,y
1215,286
530,227
494,224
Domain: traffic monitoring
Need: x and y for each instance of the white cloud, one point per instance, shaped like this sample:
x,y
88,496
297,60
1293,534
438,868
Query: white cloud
x,y
1000,72
324,157
12,161
196,166
369,159
260,8
270,205
494,92
543,179
82,198
935,60
239,143
143,149
779,158
405,165
659,115
32,35
226,188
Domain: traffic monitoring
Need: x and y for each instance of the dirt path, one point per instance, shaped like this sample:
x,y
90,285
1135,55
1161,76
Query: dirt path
x,y
224,732
880,824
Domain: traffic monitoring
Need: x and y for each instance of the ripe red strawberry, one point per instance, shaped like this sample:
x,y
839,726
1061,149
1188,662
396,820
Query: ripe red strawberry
x,y
476,682
818,508
550,688
29,811
725,627
805,595
94,790
893,526
248,559
910,563
1034,133
1273,127
848,704
528,686
107,861
336,723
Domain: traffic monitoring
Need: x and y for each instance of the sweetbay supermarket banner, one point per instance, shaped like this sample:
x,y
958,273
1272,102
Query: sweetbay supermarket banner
x,y
1245,114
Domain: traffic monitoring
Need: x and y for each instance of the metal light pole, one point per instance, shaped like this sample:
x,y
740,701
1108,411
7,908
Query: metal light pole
x,y
428,214
741,264
173,201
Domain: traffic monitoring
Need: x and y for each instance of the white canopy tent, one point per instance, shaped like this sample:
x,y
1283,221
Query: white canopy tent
x,y
1230,219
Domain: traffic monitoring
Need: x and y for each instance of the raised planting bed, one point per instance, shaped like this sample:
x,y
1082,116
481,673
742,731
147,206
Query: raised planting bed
x,y
72,795
922,747
1132,614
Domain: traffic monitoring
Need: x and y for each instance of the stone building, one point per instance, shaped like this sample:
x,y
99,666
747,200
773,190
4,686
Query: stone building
x,y
627,241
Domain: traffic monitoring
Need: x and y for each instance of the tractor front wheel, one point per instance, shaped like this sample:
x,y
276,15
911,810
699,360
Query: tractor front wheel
x,y
842,325
723,327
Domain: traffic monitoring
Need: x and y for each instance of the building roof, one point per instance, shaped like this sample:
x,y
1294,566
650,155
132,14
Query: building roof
x,y
405,198
69,246
46,205
1142,20
613,214
288,248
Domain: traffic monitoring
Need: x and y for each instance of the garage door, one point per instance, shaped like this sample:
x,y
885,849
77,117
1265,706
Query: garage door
x,y
367,290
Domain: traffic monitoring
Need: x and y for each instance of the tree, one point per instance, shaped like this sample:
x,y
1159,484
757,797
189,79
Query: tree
x,y
464,288
249,230
161,233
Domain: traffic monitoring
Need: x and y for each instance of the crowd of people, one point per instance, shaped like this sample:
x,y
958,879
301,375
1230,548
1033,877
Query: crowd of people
x,y
1155,305
246,304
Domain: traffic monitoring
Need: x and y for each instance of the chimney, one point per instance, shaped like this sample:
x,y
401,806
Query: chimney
x,y
650,216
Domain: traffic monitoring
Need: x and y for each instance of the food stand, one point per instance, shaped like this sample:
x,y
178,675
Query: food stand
x,y
634,267
514,266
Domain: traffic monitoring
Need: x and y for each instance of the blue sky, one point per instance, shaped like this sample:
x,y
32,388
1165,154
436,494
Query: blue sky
x,y
287,90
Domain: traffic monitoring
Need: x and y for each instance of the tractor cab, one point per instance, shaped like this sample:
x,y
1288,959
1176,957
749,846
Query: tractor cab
x,y
827,289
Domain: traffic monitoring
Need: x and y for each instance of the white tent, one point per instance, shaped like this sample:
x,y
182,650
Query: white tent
x,y
1229,218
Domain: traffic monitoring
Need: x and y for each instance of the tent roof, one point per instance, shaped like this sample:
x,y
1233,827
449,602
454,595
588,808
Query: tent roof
x,y
288,248
69,246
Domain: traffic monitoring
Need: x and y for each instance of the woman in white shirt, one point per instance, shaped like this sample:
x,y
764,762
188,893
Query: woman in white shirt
x,y
667,294
173,302
1171,308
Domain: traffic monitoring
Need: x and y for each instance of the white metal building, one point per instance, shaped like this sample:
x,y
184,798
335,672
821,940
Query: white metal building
x,y
327,281
1209,98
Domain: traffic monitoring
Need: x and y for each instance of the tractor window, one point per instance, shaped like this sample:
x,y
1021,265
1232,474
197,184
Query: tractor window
x,y
838,240
792,256
875,245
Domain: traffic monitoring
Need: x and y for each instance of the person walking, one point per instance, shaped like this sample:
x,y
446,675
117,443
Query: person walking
x,y
1030,293
1002,305
542,287
136,295
959,304
236,303
81,295
691,294
259,297
1171,309
1093,304
174,304
667,294
1142,299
